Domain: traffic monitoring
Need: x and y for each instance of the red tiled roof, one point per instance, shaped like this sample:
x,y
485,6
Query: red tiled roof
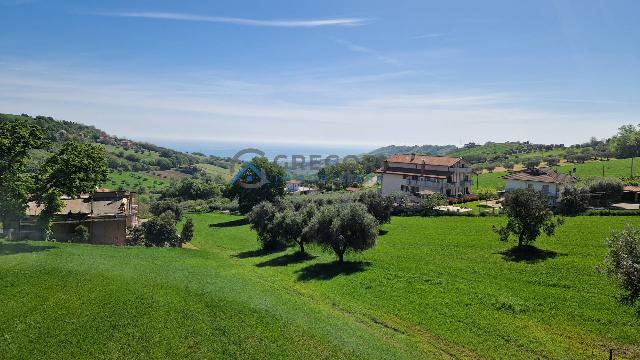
x,y
428,160
409,172
540,175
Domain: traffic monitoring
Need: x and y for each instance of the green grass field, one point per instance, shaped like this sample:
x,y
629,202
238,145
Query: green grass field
x,y
618,168
431,288
215,171
135,181
489,180
613,168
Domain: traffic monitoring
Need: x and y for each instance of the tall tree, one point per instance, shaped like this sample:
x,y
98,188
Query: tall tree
x,y
259,180
626,143
76,168
17,138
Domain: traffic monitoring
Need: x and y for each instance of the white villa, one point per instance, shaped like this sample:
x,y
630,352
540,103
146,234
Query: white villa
x,y
545,180
423,175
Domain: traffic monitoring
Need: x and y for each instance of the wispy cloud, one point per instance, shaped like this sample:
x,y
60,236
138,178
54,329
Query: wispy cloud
x,y
365,50
428,36
194,108
290,23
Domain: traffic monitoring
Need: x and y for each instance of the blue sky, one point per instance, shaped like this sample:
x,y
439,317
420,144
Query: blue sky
x,y
361,73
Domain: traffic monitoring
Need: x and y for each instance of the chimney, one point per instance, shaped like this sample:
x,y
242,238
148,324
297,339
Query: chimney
x,y
386,165
422,168
413,156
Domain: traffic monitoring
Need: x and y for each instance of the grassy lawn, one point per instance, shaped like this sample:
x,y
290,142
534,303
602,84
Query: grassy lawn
x,y
489,180
215,171
431,288
134,181
619,168
613,168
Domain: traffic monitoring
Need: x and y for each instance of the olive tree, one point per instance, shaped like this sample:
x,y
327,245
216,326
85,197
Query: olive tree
x,y
261,219
288,225
342,228
377,205
528,216
623,262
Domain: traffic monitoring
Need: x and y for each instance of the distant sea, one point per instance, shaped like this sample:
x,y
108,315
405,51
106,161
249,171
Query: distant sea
x,y
228,149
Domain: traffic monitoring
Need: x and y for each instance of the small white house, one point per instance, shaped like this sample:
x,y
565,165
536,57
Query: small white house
x,y
545,180
293,185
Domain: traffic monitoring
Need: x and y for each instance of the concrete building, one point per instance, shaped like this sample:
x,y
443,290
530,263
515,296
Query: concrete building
x,y
106,214
420,174
545,180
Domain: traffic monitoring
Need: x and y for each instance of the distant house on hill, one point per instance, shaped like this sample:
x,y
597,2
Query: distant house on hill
x,y
545,180
293,186
421,174
106,214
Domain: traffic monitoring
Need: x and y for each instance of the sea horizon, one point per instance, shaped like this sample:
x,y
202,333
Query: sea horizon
x,y
271,150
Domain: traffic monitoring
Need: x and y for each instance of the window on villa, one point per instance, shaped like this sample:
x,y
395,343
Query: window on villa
x,y
545,189
529,186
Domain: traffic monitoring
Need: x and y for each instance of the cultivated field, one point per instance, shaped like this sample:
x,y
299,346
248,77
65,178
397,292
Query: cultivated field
x,y
618,168
431,288
135,181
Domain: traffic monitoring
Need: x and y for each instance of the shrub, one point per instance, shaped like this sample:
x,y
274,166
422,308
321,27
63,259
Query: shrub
x,y
430,202
552,161
574,199
186,235
487,194
161,230
623,262
611,189
159,207
80,234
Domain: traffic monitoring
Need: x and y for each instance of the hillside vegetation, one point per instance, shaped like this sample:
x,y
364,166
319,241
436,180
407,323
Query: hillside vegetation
x,y
142,167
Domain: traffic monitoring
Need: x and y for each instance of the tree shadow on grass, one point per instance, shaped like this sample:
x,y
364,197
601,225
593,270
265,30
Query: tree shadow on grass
x,y
382,232
328,271
232,223
258,252
529,254
21,248
287,259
